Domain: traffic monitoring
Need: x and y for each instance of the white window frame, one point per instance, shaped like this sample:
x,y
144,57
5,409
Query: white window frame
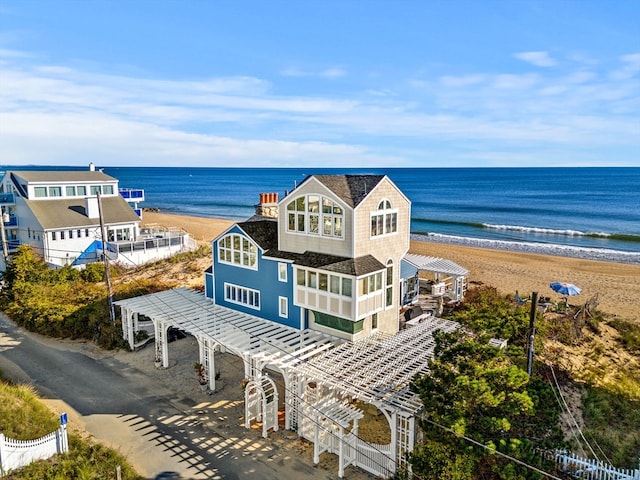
x,y
240,257
247,297
386,218
282,271
283,307
315,214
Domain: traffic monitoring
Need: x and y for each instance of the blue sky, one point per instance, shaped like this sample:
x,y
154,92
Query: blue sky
x,y
347,83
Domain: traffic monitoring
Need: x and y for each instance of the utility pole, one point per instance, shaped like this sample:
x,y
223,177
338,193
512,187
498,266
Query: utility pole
x,y
532,330
3,233
105,257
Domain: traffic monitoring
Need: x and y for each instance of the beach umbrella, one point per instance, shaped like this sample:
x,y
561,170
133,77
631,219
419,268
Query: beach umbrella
x,y
567,289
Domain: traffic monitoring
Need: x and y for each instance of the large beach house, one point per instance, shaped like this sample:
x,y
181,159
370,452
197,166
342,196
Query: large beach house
x,y
327,257
61,214
315,288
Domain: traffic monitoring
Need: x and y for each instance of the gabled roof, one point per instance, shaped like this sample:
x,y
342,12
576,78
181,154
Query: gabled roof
x,y
352,189
70,213
63,176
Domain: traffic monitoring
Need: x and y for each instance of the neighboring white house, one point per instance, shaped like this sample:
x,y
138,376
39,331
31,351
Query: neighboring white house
x,y
58,213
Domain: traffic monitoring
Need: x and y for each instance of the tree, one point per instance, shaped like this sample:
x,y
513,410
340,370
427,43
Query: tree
x,y
475,390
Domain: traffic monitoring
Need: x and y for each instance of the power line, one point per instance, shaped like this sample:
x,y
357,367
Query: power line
x,y
497,452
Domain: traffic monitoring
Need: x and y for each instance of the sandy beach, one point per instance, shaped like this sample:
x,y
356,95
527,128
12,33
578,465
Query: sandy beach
x,y
616,284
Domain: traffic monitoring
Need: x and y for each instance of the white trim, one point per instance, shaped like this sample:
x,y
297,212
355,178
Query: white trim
x,y
283,302
248,296
283,268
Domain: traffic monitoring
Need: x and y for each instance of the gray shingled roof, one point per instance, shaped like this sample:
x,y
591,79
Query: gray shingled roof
x,y
352,189
263,232
70,213
63,176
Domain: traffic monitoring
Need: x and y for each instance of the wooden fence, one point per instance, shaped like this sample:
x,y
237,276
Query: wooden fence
x,y
589,469
19,453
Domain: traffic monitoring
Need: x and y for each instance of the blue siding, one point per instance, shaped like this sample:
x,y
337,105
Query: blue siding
x,y
265,280
208,286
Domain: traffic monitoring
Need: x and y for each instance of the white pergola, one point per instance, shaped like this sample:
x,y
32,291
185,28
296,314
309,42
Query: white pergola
x,y
323,375
441,267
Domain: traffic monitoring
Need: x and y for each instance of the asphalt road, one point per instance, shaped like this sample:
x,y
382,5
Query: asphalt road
x,y
157,432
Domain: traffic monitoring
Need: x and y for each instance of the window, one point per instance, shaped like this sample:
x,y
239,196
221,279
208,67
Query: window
x,y
86,232
282,272
370,284
82,190
55,191
374,321
346,287
107,189
40,192
119,234
95,189
385,220
334,284
53,236
70,234
78,233
29,232
323,281
389,284
242,296
61,234
315,215
283,307
237,250
71,191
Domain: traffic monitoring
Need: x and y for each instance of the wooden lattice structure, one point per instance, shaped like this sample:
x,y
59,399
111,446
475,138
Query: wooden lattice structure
x,y
322,374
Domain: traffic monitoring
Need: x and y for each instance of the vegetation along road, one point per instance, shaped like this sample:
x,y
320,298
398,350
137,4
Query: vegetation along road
x,y
118,404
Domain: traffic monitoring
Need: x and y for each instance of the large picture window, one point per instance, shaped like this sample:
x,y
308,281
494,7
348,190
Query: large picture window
x,y
315,215
242,296
237,250
384,221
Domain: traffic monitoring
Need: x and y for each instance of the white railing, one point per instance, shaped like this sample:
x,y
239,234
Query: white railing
x,y
588,469
374,458
19,453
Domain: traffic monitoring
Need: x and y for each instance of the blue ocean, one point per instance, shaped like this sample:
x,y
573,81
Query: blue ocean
x,y
576,212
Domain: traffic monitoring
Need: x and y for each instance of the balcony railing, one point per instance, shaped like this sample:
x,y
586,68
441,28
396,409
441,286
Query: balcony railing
x,y
132,194
10,220
7,199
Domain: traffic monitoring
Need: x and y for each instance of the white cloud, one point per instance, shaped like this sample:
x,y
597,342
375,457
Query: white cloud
x,y
332,72
539,59
56,114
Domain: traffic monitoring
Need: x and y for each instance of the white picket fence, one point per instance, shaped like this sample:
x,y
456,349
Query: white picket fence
x,y
589,469
19,453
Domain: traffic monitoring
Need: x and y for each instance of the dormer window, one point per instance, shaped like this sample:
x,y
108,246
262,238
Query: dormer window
x,y
237,250
384,221
315,215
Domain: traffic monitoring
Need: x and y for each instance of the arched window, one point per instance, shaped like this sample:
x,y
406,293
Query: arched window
x,y
384,221
238,250
315,215
389,284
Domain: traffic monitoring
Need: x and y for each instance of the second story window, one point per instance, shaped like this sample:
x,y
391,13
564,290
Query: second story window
x,y
315,215
55,191
237,250
384,221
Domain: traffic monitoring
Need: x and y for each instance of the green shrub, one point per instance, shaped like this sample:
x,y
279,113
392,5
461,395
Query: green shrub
x,y
629,334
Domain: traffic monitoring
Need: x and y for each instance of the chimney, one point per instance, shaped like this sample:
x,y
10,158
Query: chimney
x,y
268,206
91,207
92,167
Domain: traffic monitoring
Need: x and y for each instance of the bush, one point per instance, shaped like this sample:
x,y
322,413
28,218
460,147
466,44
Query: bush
x,y
629,334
